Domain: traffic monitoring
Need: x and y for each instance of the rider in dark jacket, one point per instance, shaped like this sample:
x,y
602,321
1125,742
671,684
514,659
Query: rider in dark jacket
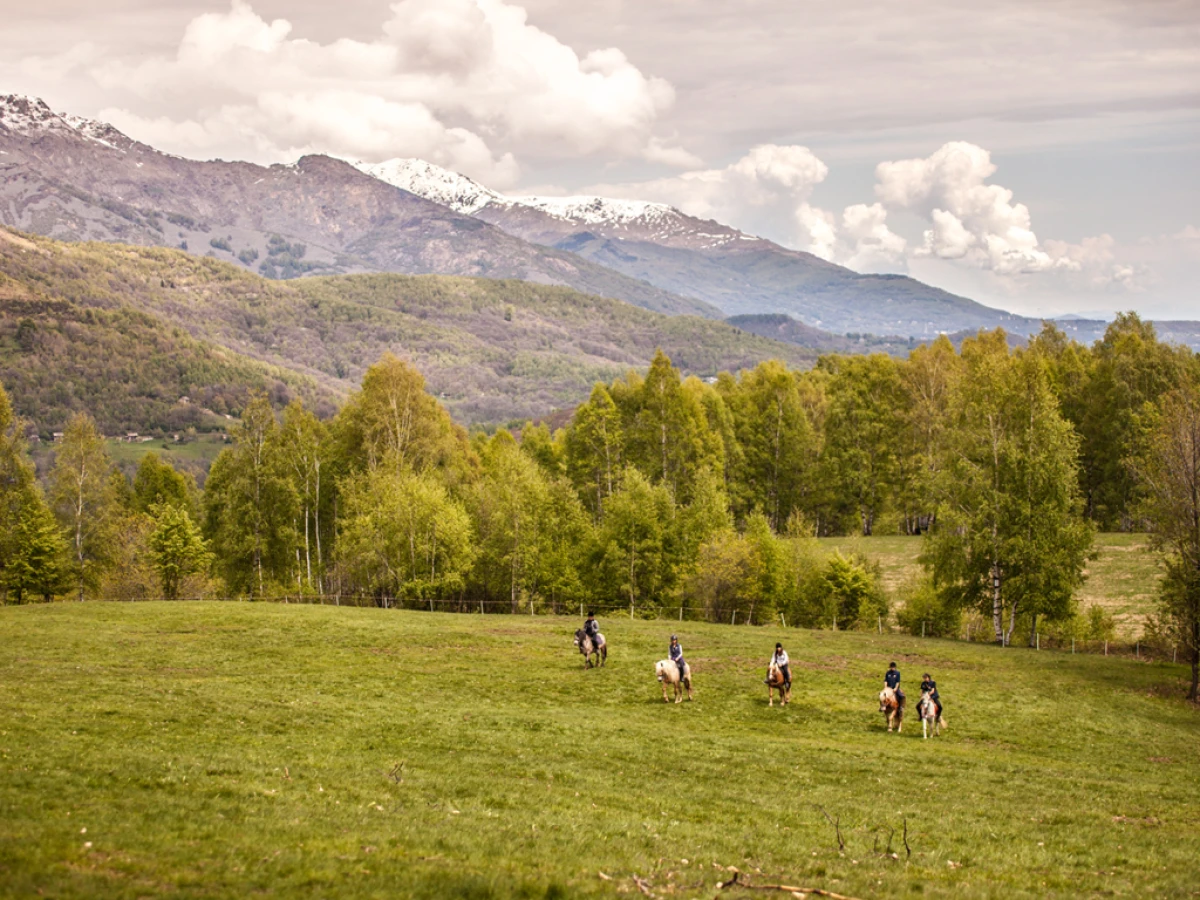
x,y
892,680
591,627
928,685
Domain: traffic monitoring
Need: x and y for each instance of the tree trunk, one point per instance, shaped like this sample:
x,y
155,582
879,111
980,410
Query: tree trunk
x,y
997,604
1033,632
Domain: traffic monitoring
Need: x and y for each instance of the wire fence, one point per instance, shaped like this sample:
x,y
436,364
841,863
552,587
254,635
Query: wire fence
x,y
1143,649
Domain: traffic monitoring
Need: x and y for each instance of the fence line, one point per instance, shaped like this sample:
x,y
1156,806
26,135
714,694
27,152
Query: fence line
x,y
1139,649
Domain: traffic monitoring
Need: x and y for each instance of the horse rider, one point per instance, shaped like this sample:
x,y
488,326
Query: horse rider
x,y
780,659
892,680
592,629
929,686
675,652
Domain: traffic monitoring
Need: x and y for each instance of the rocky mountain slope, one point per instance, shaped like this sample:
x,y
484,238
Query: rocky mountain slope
x,y
122,322
77,179
736,272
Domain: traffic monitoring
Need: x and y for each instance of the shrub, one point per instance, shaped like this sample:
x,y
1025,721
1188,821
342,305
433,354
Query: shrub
x,y
923,604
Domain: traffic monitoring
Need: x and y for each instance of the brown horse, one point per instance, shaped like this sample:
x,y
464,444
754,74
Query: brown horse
x,y
892,708
775,683
667,672
588,649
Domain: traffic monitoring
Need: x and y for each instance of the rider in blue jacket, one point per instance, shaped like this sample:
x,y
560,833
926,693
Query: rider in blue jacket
x,y
675,652
892,680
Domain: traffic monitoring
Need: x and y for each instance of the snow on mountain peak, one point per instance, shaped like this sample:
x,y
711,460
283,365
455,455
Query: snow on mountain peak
x,y
463,195
31,115
599,210
434,183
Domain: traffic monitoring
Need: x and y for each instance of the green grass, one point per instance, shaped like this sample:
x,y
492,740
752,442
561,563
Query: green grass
x,y
1123,578
216,750
202,449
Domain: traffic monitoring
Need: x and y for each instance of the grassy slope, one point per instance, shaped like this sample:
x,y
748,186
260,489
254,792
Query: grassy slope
x,y
493,350
230,749
1123,577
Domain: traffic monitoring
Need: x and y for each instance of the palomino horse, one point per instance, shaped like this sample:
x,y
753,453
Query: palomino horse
x,y
892,708
587,648
928,709
775,683
668,673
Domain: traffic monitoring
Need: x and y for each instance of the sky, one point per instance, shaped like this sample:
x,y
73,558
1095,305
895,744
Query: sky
x,y
1036,155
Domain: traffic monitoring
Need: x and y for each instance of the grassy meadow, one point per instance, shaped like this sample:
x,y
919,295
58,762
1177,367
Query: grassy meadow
x,y
230,749
1123,577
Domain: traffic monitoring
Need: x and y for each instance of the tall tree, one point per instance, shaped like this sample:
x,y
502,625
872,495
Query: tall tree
x,y
634,542
928,378
177,549
250,504
864,417
394,421
669,438
1169,472
83,498
1010,537
512,500
778,449
37,561
594,444
403,536
156,481
1132,370
16,480
305,452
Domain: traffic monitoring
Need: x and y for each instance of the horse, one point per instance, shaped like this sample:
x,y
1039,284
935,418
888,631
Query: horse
x,y
587,648
892,708
928,709
775,683
667,672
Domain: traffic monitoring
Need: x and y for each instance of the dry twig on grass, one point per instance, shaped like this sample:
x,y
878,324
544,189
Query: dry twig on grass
x,y
736,881
837,827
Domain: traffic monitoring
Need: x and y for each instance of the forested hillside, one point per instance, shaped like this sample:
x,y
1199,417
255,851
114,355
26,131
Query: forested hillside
x,y
131,370
661,491
493,351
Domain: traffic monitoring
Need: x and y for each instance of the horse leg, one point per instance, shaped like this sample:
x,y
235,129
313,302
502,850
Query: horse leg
x,y
770,695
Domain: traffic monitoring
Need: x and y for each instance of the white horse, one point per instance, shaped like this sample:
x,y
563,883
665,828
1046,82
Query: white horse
x,y
928,709
668,673
892,708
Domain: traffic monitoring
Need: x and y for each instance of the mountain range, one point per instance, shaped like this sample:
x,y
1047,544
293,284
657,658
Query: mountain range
x,y
79,179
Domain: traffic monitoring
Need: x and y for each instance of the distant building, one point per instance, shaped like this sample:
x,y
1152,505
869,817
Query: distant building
x,y
131,437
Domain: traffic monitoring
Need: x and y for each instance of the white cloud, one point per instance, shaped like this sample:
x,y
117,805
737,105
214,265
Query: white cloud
x,y
469,84
970,219
868,244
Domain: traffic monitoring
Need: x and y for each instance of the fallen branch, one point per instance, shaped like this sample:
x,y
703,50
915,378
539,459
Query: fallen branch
x,y
789,888
642,885
837,827
907,849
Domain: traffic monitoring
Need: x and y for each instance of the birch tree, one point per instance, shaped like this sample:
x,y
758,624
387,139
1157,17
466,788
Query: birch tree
x,y
1010,538
82,496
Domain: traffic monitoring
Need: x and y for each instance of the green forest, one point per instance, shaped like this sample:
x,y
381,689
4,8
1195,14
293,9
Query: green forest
x,y
663,493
